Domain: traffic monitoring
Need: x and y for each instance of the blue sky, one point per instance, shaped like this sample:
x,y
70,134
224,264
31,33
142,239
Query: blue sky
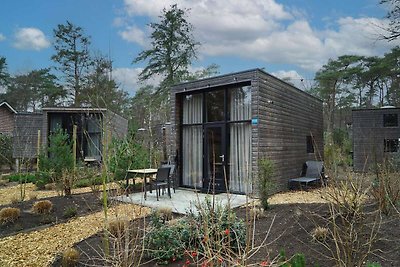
x,y
289,38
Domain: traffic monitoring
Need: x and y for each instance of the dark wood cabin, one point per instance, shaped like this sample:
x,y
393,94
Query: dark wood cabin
x,y
92,124
7,119
222,126
376,136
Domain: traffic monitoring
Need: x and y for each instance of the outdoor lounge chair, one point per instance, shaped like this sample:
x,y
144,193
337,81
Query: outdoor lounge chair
x,y
162,180
312,174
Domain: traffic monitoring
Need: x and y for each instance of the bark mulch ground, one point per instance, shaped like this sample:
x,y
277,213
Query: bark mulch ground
x,y
290,232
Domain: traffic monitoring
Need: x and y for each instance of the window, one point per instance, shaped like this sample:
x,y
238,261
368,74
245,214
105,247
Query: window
x,y
215,106
391,145
390,120
310,145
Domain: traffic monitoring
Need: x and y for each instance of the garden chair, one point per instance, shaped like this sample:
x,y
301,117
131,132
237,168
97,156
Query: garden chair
x,y
161,181
172,175
312,173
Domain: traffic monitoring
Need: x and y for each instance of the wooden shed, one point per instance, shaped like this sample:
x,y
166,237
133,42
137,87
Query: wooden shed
x,y
376,136
222,126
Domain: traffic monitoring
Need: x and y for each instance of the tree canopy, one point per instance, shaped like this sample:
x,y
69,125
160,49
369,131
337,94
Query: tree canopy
x,y
173,48
393,30
72,56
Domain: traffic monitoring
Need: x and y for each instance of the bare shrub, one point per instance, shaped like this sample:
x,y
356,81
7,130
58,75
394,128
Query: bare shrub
x,y
353,224
165,213
50,186
42,207
320,233
117,227
386,188
9,215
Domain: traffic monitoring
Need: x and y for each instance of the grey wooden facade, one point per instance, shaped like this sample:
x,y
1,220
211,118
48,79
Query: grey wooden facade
x,y
109,123
25,135
7,119
373,139
282,118
26,126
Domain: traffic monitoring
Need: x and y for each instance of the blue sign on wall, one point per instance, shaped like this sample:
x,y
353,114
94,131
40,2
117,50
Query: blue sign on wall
x,y
254,121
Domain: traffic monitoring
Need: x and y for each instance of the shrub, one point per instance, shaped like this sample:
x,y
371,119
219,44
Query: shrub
x,y
165,213
42,178
265,183
70,212
6,151
166,242
60,159
70,258
297,260
22,177
42,207
117,227
50,186
256,212
216,231
9,215
320,233
126,154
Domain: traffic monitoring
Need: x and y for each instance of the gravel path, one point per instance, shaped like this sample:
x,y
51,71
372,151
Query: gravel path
x,y
39,248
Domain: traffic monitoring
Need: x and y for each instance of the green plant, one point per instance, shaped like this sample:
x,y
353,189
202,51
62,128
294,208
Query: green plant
x,y
126,154
70,212
6,157
70,257
22,178
373,264
42,178
266,171
297,260
9,215
59,160
165,242
216,232
42,207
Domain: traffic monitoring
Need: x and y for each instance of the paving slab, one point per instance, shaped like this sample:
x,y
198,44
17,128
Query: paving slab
x,y
182,200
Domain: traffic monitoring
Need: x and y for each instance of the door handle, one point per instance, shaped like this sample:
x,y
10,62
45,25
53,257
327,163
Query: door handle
x,y
222,157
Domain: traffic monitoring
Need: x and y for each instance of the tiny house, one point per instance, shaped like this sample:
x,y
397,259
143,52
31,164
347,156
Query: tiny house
x,y
376,136
222,126
92,124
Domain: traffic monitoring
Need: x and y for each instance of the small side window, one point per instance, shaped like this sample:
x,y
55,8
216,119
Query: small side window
x,y
391,145
310,144
390,120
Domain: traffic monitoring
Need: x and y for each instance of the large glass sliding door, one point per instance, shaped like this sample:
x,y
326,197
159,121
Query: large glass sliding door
x,y
216,140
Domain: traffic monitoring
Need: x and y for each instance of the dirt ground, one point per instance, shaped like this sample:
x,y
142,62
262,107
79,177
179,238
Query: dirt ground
x,y
289,223
291,219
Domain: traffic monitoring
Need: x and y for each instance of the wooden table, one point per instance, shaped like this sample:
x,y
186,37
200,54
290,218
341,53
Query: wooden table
x,y
142,172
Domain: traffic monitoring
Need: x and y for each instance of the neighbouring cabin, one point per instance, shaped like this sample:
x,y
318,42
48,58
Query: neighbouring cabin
x,y
25,135
222,126
7,119
376,136
92,124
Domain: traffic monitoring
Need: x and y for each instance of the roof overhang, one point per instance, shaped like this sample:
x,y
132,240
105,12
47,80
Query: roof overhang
x,y
8,106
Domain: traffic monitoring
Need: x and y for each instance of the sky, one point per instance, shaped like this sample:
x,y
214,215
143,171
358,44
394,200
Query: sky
x,y
287,38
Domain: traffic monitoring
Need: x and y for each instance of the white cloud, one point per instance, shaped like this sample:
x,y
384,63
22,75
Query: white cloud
x,y
266,30
2,37
292,77
134,34
30,39
128,79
